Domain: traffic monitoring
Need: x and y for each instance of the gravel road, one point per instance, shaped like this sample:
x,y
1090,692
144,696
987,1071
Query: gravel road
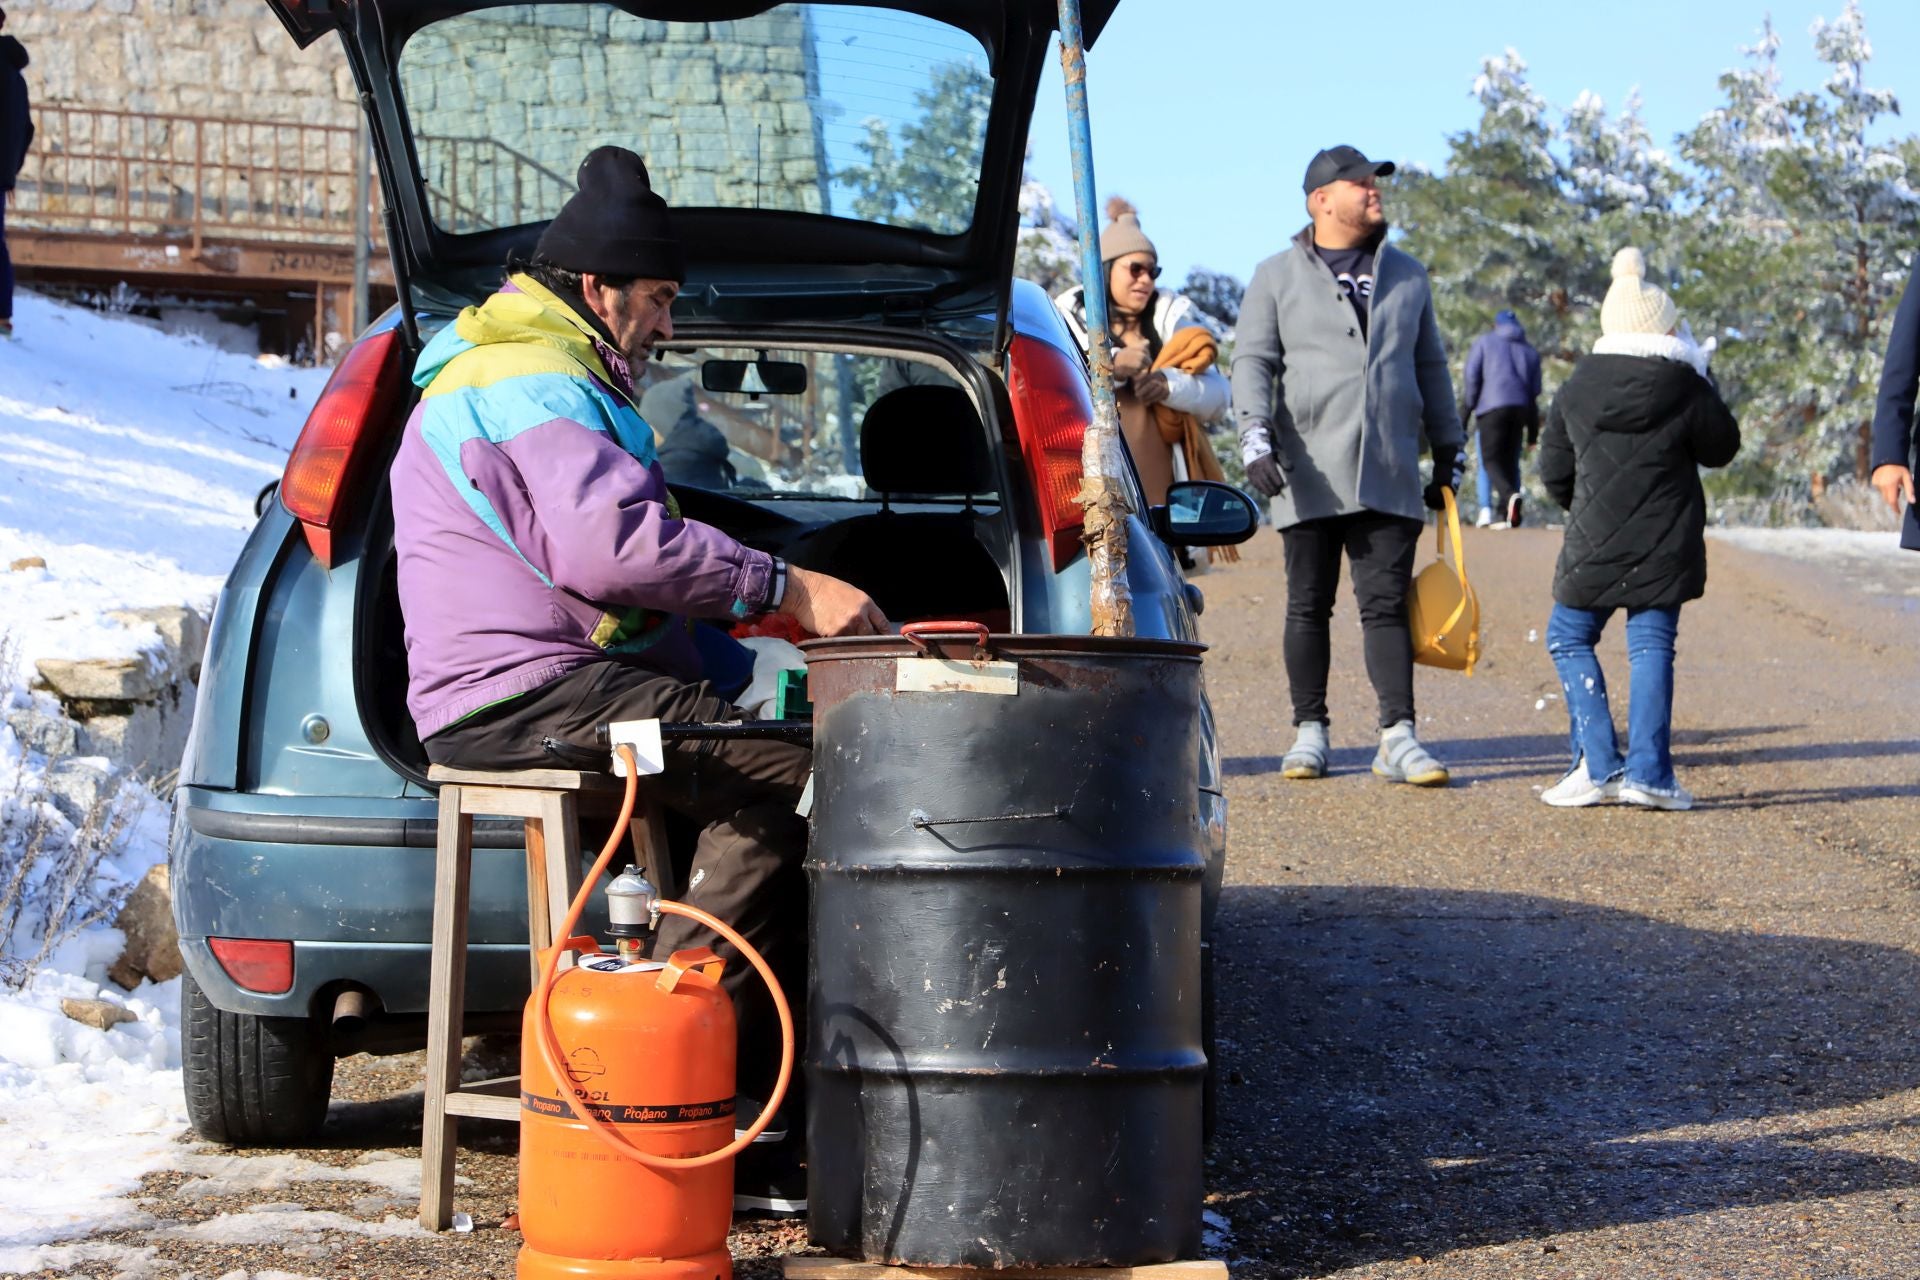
x,y
1472,1036
1463,1035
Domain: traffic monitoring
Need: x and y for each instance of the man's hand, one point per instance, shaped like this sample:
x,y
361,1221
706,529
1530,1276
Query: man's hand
x,y
1446,476
827,606
1256,455
1264,474
1894,483
1151,389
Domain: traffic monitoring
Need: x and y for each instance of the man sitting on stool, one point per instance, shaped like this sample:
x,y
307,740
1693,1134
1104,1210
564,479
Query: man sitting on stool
x,y
547,578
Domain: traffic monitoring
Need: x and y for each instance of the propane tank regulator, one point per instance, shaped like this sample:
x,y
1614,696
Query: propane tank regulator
x,y
633,912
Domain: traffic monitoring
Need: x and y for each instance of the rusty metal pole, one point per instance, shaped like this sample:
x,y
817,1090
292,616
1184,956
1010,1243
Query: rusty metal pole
x,y
1102,494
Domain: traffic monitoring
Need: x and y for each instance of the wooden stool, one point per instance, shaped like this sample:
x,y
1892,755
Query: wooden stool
x,y
549,801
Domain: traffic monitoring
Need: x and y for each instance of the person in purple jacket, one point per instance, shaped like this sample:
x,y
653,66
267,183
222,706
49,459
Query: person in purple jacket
x,y
1503,396
547,577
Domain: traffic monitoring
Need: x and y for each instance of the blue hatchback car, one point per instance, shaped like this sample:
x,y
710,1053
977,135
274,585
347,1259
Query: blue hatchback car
x,y
845,178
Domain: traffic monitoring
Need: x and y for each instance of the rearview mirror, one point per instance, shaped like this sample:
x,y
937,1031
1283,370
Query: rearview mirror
x,y
754,377
1205,513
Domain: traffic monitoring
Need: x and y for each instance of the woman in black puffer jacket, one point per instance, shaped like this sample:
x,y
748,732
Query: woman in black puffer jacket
x,y
1623,445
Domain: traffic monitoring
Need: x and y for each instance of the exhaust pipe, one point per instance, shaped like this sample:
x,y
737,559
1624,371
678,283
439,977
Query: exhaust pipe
x,y
350,1012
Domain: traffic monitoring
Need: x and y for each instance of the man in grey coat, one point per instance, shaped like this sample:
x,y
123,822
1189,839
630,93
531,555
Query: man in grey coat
x,y
1339,377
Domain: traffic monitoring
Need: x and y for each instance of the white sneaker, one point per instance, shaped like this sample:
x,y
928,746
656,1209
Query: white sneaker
x,y
1401,758
1307,757
1646,797
1484,519
1578,791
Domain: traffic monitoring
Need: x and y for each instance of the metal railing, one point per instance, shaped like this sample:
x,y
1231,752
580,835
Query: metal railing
x,y
480,184
128,174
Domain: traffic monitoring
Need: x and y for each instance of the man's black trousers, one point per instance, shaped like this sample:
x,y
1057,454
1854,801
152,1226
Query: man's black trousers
x,y
1380,550
745,866
1502,431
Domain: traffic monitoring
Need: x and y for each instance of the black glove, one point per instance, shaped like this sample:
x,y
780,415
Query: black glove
x,y
1258,456
1446,475
1264,474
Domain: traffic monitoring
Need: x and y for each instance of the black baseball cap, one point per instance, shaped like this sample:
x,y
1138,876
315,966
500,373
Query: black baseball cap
x,y
1336,163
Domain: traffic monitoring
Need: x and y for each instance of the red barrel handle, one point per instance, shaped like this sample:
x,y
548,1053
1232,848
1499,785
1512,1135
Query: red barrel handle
x,y
919,634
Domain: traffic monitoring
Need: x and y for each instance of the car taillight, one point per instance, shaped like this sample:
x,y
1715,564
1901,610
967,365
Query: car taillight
x,y
344,423
258,964
1051,409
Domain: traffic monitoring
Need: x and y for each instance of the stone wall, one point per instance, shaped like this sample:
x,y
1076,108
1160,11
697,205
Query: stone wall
x,y
192,57
718,109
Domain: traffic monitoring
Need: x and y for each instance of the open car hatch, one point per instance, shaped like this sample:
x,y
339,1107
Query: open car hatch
x,y
822,159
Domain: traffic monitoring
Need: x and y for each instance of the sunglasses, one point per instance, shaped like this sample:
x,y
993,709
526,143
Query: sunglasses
x,y
1137,269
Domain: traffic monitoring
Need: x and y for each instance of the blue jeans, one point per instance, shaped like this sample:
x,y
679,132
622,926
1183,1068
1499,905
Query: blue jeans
x,y
1483,482
1571,635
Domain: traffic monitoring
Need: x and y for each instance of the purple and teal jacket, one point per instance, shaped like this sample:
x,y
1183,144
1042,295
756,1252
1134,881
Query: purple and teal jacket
x,y
532,523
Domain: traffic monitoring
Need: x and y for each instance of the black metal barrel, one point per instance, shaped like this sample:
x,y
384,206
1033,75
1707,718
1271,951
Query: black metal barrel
x,y
1004,1063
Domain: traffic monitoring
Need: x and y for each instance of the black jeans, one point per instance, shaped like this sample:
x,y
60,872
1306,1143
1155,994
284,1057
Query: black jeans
x,y
745,867
1502,431
1379,549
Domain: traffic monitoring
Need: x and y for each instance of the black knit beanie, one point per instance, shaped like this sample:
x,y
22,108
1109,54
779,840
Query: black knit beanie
x,y
615,224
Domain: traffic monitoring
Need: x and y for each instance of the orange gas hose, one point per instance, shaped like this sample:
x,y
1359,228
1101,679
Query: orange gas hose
x,y
549,968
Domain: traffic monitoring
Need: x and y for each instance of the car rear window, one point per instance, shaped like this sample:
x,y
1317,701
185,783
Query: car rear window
x,y
805,447
863,113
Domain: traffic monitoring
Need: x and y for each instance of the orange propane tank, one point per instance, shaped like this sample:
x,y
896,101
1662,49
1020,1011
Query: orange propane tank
x,y
649,1047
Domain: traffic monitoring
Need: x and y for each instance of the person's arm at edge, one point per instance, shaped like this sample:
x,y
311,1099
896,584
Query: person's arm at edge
x,y
1893,416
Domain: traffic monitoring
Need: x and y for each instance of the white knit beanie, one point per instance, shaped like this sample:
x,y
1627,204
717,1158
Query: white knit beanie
x,y
1632,305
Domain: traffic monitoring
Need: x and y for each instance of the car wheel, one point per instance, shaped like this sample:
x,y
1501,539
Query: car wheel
x,y
251,1081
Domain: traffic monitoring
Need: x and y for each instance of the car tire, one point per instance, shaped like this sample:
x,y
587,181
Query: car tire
x,y
251,1081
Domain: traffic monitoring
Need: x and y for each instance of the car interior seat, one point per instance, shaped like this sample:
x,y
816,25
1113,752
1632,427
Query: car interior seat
x,y
918,442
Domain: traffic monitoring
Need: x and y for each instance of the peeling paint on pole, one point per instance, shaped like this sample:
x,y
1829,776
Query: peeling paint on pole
x,y
1102,495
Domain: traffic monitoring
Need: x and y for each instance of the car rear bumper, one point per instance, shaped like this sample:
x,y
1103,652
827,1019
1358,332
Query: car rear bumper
x,y
349,881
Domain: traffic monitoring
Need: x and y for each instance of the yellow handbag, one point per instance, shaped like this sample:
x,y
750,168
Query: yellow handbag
x,y
1442,610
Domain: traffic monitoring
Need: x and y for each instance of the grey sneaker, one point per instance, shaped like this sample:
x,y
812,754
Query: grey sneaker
x,y
1651,797
1578,790
1403,759
1307,757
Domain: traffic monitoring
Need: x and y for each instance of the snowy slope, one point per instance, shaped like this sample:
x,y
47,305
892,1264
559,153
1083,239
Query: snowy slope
x,y
129,462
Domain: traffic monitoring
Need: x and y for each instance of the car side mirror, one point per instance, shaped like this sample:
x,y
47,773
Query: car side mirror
x,y
1204,513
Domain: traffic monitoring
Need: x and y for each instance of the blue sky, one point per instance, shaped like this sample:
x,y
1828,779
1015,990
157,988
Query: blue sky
x,y
1205,113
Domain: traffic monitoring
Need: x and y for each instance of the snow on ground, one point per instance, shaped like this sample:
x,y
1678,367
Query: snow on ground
x,y
129,463
1873,560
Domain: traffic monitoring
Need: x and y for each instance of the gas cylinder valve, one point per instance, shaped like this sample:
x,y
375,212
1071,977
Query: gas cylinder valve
x,y
633,910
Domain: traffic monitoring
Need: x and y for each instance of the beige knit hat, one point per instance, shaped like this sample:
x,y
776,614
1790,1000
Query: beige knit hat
x,y
1122,234
1632,305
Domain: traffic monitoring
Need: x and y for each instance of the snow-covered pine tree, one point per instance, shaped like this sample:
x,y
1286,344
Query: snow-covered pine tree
x,y
1622,188
1803,233
1048,250
1492,229
928,174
